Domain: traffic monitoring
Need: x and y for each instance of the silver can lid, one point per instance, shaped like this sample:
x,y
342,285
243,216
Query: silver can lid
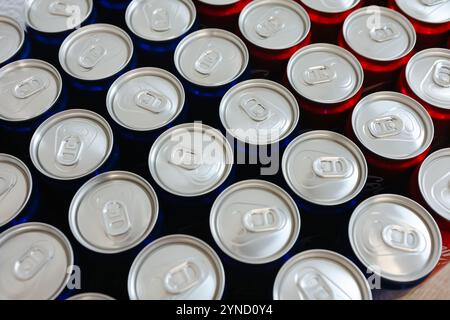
x,y
16,185
428,75
320,275
259,112
37,262
434,182
91,296
219,2
52,16
211,57
428,11
395,238
12,37
176,267
160,20
274,24
324,168
255,222
325,73
392,125
145,99
380,34
95,52
71,144
29,88
190,160
331,6
113,212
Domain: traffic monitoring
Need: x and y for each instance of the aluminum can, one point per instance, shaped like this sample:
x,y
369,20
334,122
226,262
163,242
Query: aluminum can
x,y
91,296
320,275
396,239
157,28
395,132
15,44
176,267
383,41
31,90
223,14
430,18
37,262
113,212
143,103
426,78
326,171
328,16
328,82
274,30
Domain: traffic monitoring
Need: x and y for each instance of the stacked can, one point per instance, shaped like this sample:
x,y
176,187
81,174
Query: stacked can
x,y
328,81
222,14
16,45
327,17
427,79
274,30
158,27
431,19
383,41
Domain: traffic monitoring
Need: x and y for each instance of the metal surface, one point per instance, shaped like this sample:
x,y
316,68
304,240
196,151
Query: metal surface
x,y
331,6
91,296
12,37
429,11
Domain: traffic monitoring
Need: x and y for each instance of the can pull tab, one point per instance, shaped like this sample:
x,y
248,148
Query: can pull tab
x,y
254,108
319,74
270,25
403,238
386,127
29,87
264,220
60,8
384,33
33,260
92,54
432,3
160,20
441,74
441,191
184,277
151,101
116,218
312,284
186,158
332,167
208,61
69,151
7,183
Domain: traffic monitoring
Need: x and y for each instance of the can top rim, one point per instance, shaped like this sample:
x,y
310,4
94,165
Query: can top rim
x,y
133,5
265,185
413,14
405,100
98,180
56,234
420,212
91,296
387,12
313,5
21,32
219,2
353,270
173,239
133,74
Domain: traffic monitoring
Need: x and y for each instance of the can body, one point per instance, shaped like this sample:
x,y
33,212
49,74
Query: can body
x,y
429,34
223,16
111,11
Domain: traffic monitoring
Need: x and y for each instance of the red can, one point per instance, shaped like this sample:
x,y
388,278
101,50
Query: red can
x,y
426,78
327,80
328,16
274,30
382,39
222,14
395,133
431,19
430,186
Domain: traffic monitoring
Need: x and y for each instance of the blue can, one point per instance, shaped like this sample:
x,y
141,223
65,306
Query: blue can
x,y
15,44
112,11
158,26
32,90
